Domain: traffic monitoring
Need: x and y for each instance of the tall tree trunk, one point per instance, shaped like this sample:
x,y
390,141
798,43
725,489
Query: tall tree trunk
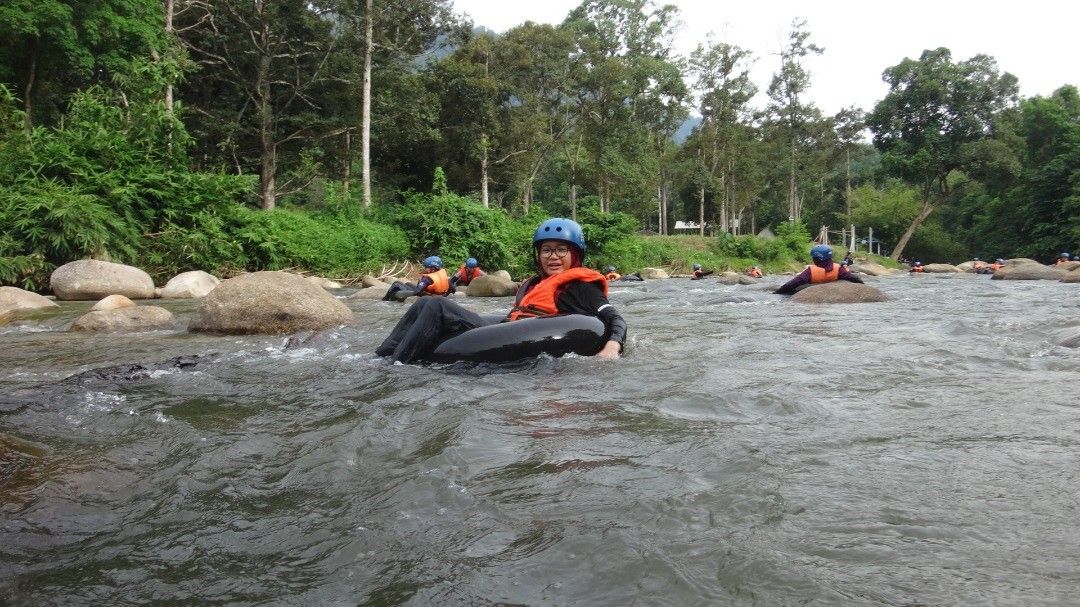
x,y
267,145
484,172
526,195
573,201
660,208
923,214
847,185
793,211
701,211
348,165
169,40
365,118
30,86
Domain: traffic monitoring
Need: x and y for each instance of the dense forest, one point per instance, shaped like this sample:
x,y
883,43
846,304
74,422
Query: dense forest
x,y
335,135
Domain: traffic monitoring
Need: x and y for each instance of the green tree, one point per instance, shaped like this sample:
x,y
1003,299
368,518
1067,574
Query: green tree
x,y
936,119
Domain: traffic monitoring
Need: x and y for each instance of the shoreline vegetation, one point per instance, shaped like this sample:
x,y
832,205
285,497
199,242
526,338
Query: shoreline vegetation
x,y
342,143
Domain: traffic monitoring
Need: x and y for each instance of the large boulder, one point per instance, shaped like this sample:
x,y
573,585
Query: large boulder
x,y
1068,266
491,285
872,269
841,291
967,266
732,278
940,268
1016,261
136,318
1073,276
112,302
502,274
1032,270
93,279
15,299
653,273
189,285
269,303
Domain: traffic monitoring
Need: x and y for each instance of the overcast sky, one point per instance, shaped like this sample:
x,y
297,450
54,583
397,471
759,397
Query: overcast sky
x,y
1037,41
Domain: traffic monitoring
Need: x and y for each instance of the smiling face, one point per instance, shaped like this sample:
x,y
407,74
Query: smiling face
x,y
556,256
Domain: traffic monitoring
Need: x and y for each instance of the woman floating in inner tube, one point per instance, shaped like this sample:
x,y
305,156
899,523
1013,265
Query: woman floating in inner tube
x,y
822,270
561,286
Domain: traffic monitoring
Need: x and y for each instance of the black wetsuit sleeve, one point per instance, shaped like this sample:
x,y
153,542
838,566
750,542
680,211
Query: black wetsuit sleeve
x,y
587,298
789,287
422,284
846,274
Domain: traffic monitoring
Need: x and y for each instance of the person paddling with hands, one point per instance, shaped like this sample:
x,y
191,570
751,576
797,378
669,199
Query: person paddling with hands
x,y
561,286
822,270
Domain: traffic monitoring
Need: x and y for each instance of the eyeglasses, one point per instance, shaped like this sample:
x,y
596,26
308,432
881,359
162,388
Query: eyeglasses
x,y
561,251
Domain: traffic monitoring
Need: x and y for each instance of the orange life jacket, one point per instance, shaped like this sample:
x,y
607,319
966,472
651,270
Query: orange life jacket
x,y
996,266
1061,260
819,274
917,269
753,273
613,276
465,275
440,284
540,299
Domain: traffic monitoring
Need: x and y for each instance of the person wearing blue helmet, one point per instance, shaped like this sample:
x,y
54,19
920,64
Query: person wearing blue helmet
x,y
917,268
611,273
468,271
433,281
822,270
562,285
699,273
1063,258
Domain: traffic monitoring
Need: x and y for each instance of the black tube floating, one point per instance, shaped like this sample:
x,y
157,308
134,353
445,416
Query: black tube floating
x,y
527,338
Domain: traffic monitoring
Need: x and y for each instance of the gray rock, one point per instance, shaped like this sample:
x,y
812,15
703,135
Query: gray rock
x,y
1016,270
112,302
491,285
268,303
325,283
6,315
503,274
137,318
1068,266
872,269
654,273
1016,261
731,278
189,285
370,281
370,293
940,268
14,298
841,291
92,279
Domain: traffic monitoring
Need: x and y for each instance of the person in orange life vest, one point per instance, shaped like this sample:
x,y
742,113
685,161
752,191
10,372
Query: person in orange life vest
x,y
754,272
699,273
562,286
997,265
611,274
433,281
917,268
822,270
466,273
1063,258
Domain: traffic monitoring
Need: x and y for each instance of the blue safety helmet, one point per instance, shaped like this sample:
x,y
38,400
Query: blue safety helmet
x,y
697,266
1065,255
471,262
918,263
610,269
433,262
558,228
821,252
1000,260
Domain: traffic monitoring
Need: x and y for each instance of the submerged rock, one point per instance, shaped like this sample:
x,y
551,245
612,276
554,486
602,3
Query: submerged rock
x,y
872,269
112,302
136,318
93,279
325,283
1027,270
841,291
189,285
735,279
268,303
653,273
491,285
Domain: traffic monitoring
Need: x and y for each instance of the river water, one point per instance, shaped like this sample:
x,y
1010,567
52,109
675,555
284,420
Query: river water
x,y
746,450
